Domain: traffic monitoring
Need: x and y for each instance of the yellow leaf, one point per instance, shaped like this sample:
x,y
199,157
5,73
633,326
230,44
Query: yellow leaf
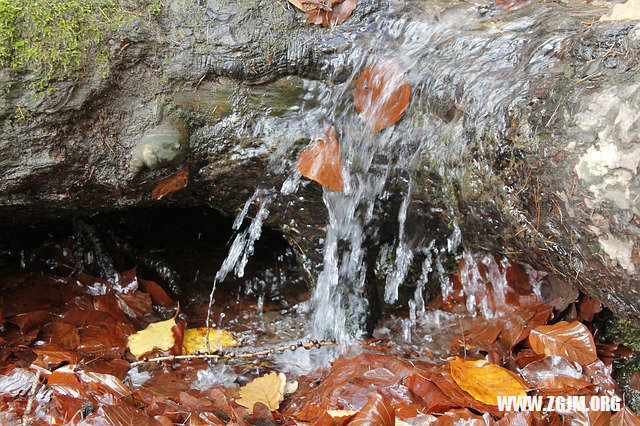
x,y
485,381
629,11
157,335
341,413
268,389
195,340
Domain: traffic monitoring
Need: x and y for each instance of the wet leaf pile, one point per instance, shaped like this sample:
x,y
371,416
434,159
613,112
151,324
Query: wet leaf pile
x,y
69,341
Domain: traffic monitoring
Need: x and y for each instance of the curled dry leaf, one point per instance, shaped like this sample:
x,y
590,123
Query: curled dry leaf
x,y
485,381
322,161
628,11
158,335
268,389
173,183
571,340
338,13
382,95
195,339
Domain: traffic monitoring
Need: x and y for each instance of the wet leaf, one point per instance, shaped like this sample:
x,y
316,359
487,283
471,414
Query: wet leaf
x,y
64,335
322,161
434,399
173,183
195,339
382,95
157,293
376,412
268,389
629,11
587,308
485,381
625,417
339,13
342,413
570,340
460,416
157,335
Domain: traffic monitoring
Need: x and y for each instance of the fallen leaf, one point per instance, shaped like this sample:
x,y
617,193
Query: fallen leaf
x,y
572,341
173,183
376,412
625,417
157,335
322,161
268,389
340,12
587,308
382,95
485,381
291,387
629,11
342,413
157,293
195,339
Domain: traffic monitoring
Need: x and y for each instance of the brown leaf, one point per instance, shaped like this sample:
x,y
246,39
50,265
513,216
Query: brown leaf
x,y
268,389
572,341
459,416
587,308
330,18
64,335
513,418
434,399
375,412
157,293
382,95
625,417
322,161
485,381
173,183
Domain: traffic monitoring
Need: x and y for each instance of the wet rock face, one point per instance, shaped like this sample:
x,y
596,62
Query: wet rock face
x,y
524,127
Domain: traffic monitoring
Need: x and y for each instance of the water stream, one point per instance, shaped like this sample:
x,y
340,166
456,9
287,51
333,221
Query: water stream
x,y
430,42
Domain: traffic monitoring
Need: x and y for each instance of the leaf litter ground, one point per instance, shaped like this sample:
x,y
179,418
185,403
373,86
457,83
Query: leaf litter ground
x,y
72,336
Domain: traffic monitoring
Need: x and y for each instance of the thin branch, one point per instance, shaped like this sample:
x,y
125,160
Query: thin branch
x,y
32,395
222,355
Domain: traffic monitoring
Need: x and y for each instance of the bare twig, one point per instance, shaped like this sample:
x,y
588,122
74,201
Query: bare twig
x,y
221,355
32,395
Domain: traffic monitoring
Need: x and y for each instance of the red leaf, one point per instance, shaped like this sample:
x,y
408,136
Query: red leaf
x,y
570,340
322,161
173,183
382,95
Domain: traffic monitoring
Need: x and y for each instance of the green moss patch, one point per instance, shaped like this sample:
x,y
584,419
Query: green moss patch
x,y
54,38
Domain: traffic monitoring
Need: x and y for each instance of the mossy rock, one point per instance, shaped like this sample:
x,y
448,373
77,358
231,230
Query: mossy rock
x,y
53,39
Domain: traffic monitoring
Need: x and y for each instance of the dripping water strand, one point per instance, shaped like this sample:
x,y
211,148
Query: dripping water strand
x,y
241,248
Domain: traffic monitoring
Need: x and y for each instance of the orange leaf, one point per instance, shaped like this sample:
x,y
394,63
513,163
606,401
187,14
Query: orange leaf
x,y
571,340
382,95
173,183
322,162
485,381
